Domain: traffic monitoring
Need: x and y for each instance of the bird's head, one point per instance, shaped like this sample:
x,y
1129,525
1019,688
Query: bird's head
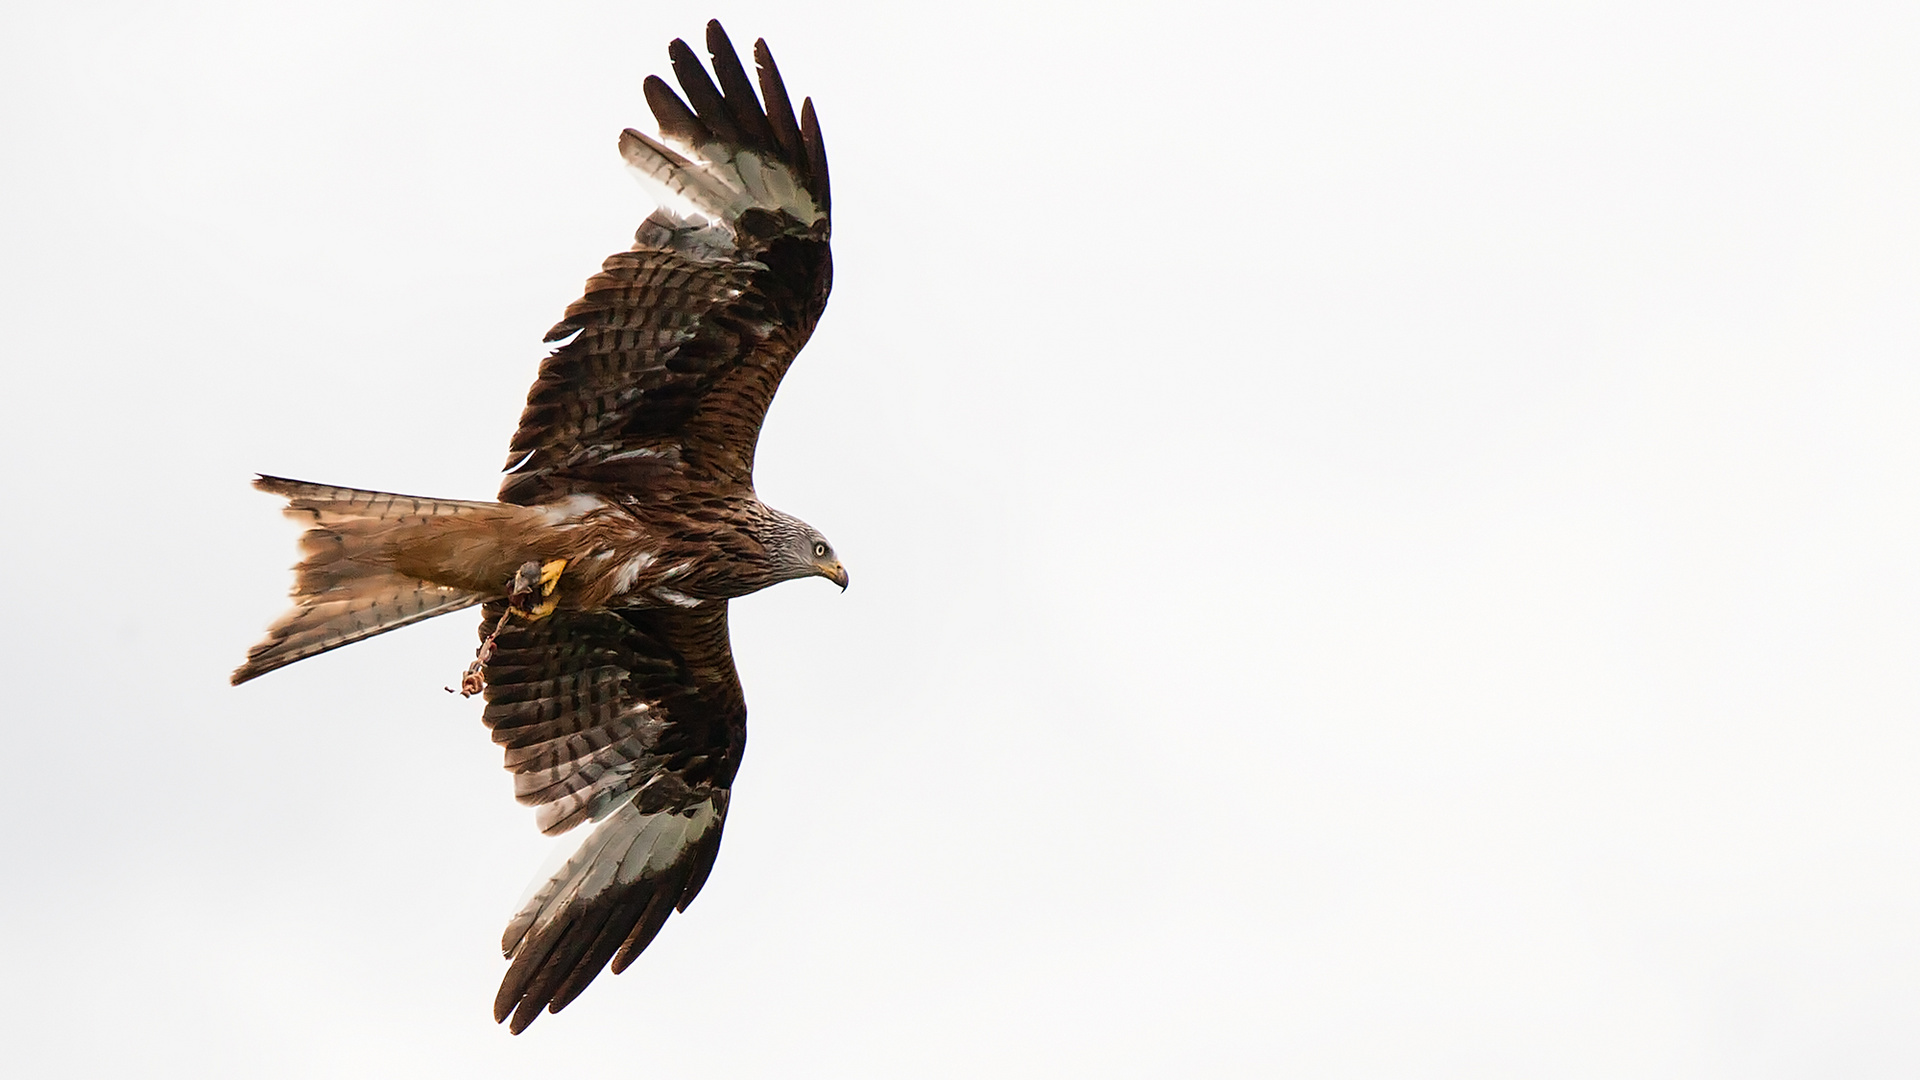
x,y
798,550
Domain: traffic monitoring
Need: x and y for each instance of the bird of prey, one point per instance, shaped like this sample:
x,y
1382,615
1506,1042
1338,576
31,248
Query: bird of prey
x,y
626,522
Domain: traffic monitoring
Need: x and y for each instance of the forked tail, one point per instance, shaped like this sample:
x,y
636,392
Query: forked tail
x,y
345,587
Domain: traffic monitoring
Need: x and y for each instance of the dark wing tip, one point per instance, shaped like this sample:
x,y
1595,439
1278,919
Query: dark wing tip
x,y
742,106
677,122
786,130
816,155
705,98
553,967
731,113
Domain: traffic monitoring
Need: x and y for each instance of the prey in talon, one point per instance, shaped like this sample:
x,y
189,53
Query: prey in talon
x,y
626,523
531,583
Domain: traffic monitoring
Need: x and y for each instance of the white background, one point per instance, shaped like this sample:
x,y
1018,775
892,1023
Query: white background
x,y
1384,541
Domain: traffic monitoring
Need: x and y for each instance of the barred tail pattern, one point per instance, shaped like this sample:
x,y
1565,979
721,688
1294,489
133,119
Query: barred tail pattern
x,y
345,588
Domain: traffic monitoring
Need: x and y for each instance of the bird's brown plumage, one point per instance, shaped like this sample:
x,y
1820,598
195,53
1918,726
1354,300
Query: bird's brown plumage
x,y
631,475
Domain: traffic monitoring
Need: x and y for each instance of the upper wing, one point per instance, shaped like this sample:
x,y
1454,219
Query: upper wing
x,y
633,720
679,343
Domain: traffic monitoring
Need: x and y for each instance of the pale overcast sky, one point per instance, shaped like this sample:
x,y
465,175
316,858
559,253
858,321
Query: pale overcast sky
x,y
1384,541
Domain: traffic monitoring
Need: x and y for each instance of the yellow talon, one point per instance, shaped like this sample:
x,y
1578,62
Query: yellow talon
x,y
523,589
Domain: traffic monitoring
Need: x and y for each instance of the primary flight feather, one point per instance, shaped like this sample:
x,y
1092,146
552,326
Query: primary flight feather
x,y
626,522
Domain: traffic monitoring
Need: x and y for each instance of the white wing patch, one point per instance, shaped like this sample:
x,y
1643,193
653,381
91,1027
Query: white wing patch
x,y
629,572
715,182
572,509
624,848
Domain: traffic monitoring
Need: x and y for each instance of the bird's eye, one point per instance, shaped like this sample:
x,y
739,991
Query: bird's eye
x,y
819,550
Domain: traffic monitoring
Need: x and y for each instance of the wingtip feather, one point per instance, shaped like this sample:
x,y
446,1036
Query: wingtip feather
x,y
816,155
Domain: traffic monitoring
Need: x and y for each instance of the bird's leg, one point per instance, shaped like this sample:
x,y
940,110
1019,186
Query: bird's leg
x,y
531,580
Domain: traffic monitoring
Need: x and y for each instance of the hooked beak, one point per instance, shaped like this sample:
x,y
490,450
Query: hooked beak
x,y
835,573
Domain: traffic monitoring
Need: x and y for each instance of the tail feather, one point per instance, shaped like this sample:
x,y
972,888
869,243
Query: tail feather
x,y
345,587
328,504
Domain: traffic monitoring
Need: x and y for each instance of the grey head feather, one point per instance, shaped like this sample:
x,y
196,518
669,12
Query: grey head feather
x,y
796,549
